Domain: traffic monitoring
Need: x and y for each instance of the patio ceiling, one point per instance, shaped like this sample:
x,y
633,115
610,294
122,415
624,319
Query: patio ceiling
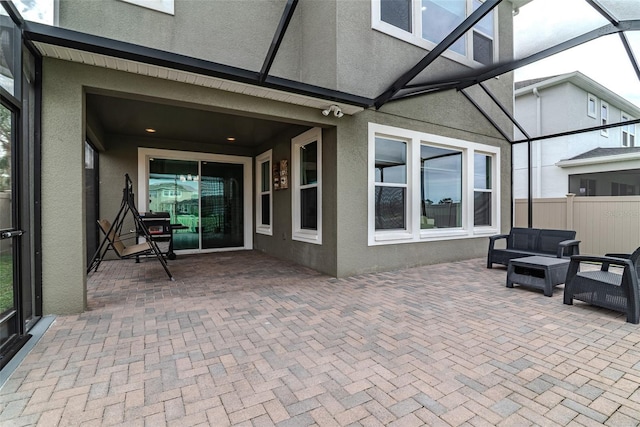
x,y
563,26
121,115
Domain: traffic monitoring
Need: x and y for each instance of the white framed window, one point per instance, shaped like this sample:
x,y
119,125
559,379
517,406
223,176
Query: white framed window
x,y
306,197
592,106
165,6
604,117
391,170
628,131
483,194
425,187
427,22
264,194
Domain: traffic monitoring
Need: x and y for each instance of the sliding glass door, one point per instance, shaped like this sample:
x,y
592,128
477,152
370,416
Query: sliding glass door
x,y
9,233
206,197
222,205
20,221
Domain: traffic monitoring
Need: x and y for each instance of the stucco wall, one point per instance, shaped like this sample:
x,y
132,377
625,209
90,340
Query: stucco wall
x,y
212,30
369,61
345,152
62,169
320,257
64,83
354,255
219,30
328,43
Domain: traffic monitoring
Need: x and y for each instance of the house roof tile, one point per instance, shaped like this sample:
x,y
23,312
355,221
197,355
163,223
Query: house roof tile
x,y
605,152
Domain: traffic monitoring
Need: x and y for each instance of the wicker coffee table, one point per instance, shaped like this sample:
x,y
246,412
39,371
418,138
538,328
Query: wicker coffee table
x,y
537,272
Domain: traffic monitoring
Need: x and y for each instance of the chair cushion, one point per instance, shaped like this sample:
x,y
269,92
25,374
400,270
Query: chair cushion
x,y
139,249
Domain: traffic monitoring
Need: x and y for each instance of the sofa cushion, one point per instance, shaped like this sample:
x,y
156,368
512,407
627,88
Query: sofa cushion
x,y
523,238
549,239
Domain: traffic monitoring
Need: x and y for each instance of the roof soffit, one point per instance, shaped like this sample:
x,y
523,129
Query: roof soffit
x,y
587,84
141,68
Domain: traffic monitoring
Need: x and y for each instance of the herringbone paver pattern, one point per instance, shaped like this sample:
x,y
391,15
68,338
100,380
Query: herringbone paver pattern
x,y
245,339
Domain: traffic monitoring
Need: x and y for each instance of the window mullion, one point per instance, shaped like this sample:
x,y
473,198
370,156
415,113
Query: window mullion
x,y
416,19
468,187
391,184
414,187
468,36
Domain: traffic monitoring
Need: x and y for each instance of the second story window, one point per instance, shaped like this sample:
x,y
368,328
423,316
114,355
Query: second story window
x,y
427,22
604,117
592,103
628,132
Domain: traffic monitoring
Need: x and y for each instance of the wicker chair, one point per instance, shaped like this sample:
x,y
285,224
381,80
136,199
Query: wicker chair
x,y
604,288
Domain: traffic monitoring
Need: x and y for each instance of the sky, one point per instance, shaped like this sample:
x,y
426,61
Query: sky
x,y
36,10
604,60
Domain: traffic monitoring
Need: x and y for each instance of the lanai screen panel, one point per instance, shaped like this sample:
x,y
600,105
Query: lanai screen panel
x,y
544,28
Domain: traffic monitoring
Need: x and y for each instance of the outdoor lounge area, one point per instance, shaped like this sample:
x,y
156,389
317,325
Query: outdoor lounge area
x,y
241,338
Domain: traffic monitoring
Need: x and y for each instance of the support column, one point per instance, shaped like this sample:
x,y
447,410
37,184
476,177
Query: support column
x,y
63,253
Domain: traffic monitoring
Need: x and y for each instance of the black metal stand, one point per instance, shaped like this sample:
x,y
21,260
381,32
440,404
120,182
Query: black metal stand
x,y
127,205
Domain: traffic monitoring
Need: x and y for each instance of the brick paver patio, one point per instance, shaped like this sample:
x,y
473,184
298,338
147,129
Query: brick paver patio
x,y
245,339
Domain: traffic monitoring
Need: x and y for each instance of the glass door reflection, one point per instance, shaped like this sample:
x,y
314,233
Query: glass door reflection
x,y
205,198
174,187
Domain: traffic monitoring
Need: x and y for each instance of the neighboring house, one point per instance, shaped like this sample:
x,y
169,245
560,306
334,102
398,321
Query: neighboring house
x,y
599,163
276,144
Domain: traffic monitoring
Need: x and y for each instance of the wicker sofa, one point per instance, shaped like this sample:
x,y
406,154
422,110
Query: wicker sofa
x,y
603,288
523,242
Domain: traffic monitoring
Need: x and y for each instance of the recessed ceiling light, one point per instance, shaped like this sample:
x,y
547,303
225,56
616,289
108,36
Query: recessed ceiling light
x,y
231,139
150,130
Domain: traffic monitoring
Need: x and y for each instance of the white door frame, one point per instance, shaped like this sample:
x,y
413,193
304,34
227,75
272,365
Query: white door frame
x,y
144,154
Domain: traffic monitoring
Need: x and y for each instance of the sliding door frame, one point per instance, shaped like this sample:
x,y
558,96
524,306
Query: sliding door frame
x,y
144,154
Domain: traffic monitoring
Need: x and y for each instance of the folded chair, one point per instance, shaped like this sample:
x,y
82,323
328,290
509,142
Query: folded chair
x,y
604,288
124,252
119,248
112,237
